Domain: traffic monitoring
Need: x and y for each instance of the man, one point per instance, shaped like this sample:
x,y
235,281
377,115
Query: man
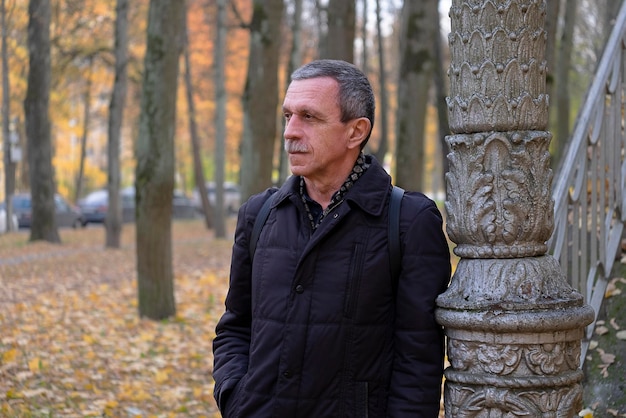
x,y
315,326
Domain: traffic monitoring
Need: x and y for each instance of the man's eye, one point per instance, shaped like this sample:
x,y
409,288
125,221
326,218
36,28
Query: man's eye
x,y
287,116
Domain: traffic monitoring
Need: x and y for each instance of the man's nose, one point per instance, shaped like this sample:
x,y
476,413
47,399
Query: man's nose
x,y
292,129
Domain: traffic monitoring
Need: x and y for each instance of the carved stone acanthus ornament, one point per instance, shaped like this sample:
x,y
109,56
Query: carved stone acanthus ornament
x,y
498,188
514,324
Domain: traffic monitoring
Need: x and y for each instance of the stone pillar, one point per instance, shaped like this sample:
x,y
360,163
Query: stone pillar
x,y
514,325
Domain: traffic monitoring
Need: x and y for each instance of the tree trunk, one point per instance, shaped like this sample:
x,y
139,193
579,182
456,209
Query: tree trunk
x,y
559,140
83,140
295,60
441,91
220,118
155,159
417,61
7,134
260,99
341,29
41,174
364,52
113,223
383,145
322,29
198,172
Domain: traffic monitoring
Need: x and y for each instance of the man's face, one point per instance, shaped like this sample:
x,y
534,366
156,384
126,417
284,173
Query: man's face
x,y
315,138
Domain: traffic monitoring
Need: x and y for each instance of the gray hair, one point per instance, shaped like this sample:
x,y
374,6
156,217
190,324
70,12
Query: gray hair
x,y
356,98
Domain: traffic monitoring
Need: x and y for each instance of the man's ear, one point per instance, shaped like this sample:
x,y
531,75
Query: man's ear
x,y
360,129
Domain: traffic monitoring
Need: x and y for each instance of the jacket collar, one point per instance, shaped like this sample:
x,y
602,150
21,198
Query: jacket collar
x,y
369,192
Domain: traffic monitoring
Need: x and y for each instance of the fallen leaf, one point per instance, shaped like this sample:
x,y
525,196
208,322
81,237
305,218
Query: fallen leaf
x,y
586,413
601,330
34,365
621,335
9,356
161,377
614,324
606,357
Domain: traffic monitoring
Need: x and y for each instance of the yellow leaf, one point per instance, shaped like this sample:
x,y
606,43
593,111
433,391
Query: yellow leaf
x,y
34,365
586,413
13,394
111,404
161,377
89,339
9,356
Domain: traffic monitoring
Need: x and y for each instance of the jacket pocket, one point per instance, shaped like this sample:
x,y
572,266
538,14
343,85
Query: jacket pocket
x,y
233,400
354,280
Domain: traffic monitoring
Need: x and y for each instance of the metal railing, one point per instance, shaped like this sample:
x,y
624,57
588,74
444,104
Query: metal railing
x,y
589,189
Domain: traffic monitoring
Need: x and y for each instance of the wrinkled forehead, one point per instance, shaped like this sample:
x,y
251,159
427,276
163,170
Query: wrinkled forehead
x,y
319,92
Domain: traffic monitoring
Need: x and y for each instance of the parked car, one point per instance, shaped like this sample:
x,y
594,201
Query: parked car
x,y
3,220
66,214
232,197
95,205
183,207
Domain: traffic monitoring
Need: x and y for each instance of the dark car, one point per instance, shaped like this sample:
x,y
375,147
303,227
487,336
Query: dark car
x,y
232,197
95,205
66,214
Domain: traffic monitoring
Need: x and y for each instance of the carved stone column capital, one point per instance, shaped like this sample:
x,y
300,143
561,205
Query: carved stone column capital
x,y
514,324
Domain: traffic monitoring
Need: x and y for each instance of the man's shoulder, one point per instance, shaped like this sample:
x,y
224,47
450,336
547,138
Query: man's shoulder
x,y
417,200
255,202
417,207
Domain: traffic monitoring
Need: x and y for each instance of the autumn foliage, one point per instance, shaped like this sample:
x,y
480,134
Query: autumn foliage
x,y
72,344
82,49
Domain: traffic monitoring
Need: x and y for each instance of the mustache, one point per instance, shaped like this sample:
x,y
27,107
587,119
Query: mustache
x,y
295,146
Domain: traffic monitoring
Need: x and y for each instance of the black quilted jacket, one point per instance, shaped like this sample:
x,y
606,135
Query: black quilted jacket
x,y
316,327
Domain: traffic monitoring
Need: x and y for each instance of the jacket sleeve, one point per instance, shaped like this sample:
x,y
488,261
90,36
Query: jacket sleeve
x,y
231,344
415,387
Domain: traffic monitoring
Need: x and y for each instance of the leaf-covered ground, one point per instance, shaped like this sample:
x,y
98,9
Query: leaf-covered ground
x,y
72,343
605,364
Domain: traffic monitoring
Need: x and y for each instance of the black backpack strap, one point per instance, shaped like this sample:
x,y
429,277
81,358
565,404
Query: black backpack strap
x,y
395,255
258,224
